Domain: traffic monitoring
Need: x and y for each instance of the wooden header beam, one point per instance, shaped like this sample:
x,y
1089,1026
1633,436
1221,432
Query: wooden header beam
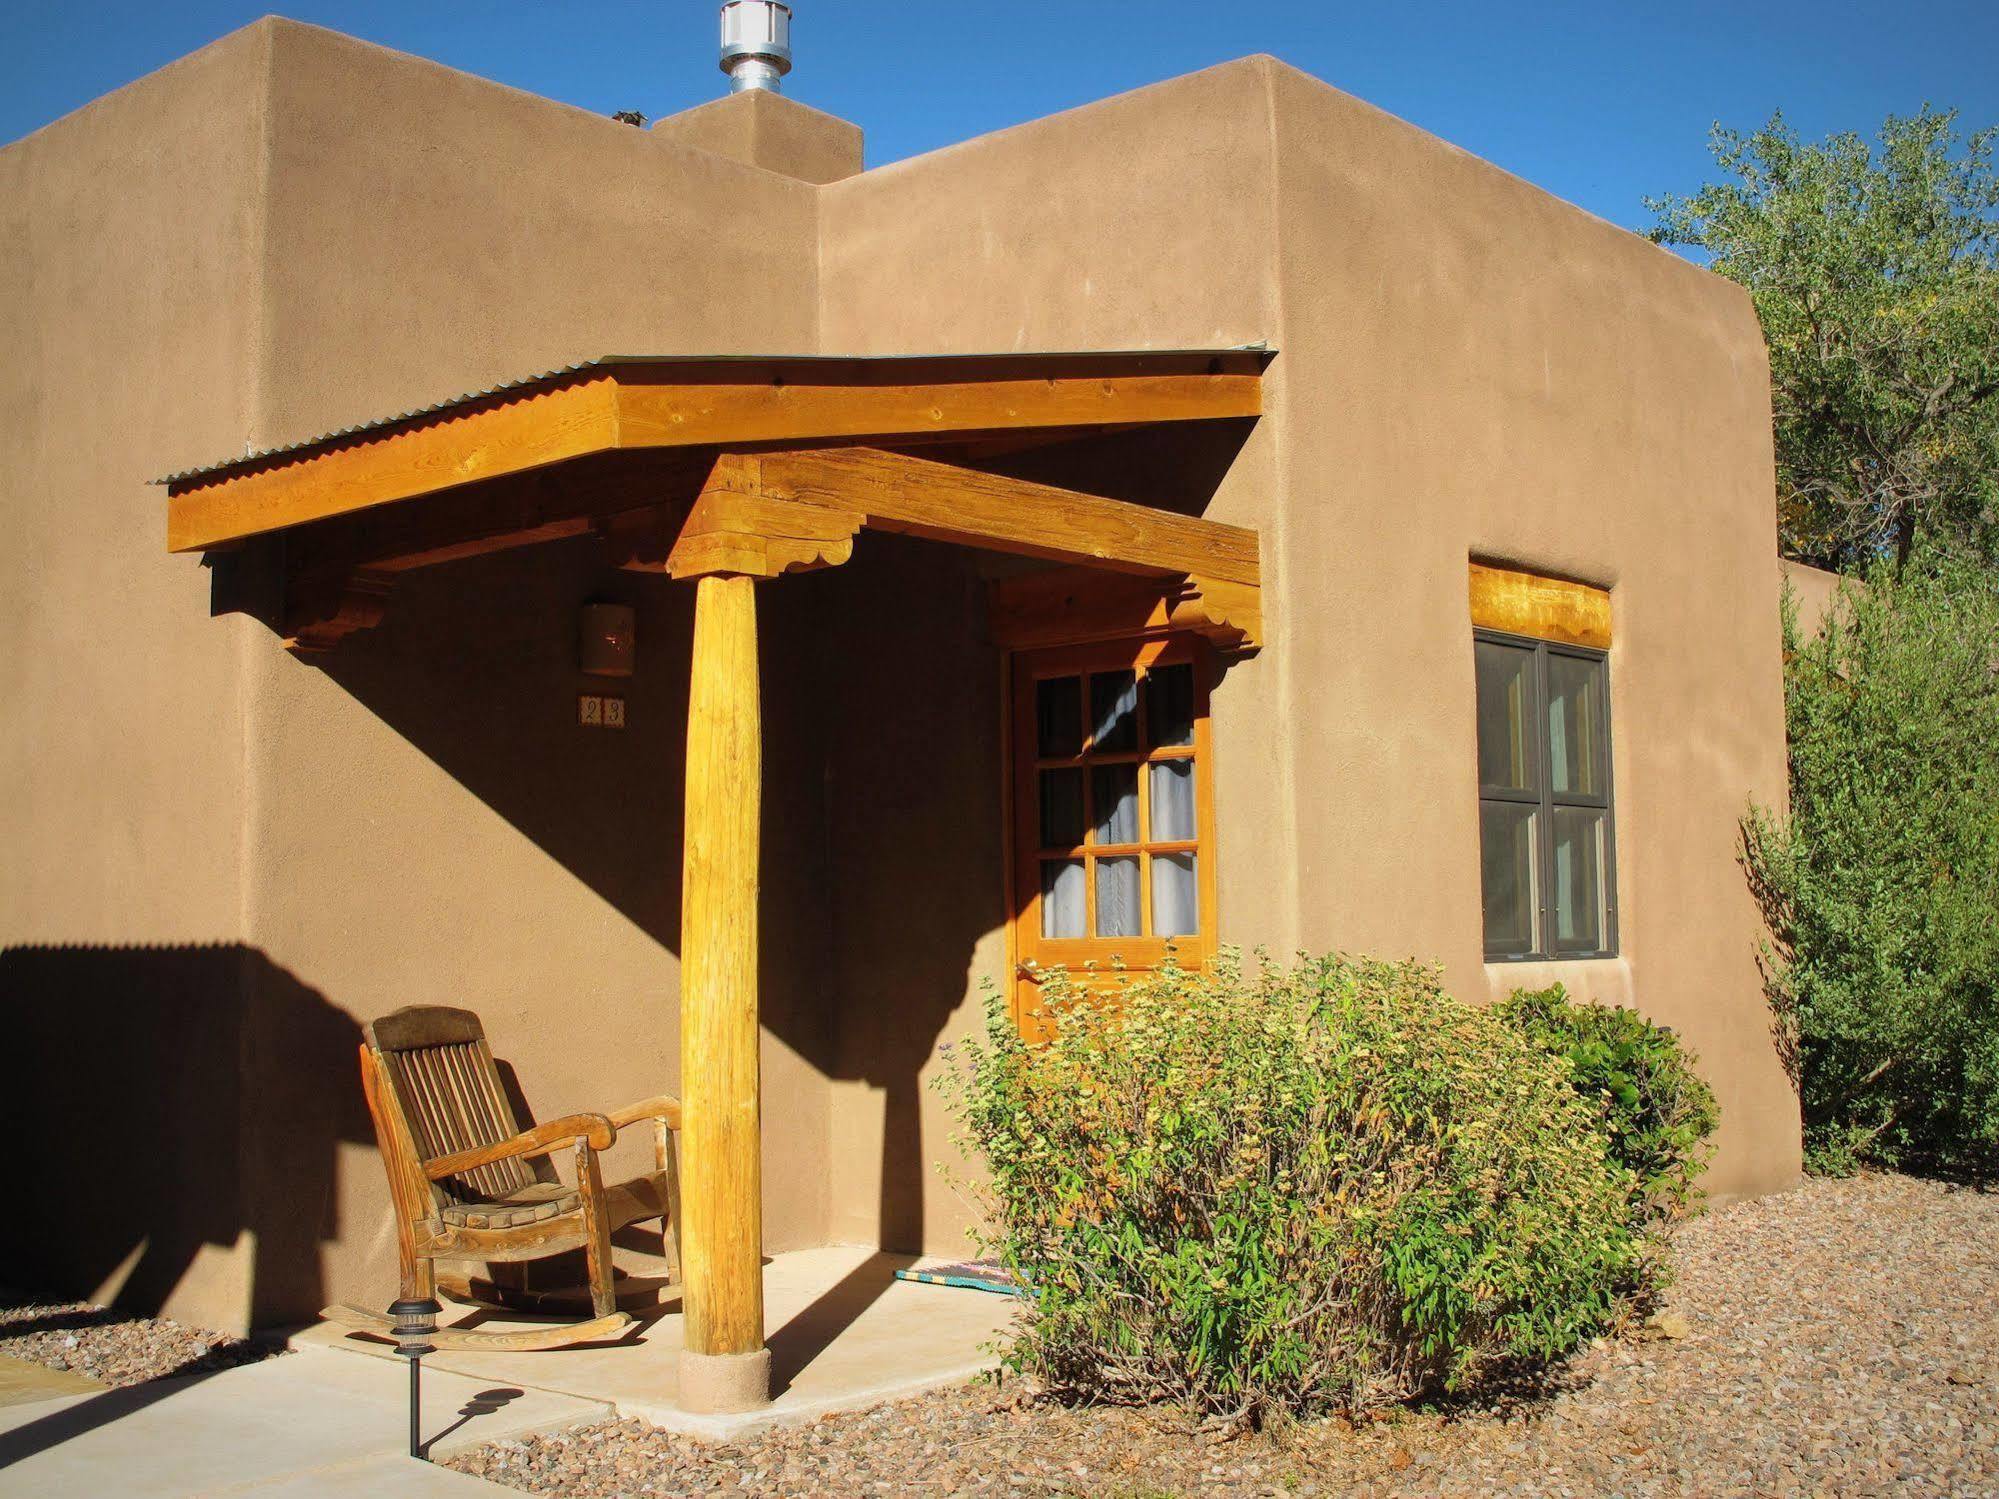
x,y
1521,603
617,408
948,502
764,514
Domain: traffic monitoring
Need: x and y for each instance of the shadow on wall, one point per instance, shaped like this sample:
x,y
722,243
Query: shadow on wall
x,y
883,851
176,1098
881,797
914,819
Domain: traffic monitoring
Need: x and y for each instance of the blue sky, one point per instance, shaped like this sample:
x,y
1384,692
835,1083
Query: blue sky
x,y
1600,103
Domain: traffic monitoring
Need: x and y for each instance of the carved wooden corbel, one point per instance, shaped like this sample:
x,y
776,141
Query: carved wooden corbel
x,y
1068,605
1229,614
641,540
323,608
736,528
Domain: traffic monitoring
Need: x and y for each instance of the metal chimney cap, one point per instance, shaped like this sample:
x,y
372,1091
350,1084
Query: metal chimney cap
x,y
756,43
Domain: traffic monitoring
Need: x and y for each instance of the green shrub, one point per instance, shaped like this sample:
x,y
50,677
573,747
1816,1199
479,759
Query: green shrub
x,y
1657,1112
1323,1186
1880,888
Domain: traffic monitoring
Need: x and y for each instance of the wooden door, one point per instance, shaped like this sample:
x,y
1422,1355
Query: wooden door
x,y
1112,845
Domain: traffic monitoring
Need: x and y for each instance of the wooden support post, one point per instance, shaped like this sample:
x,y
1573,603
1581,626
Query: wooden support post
x,y
725,1365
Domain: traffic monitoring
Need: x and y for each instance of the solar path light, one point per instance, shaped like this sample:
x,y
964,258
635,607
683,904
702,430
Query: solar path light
x,y
416,1320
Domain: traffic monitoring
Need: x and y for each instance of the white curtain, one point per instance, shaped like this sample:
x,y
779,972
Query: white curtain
x,y
1116,793
1062,910
1117,898
1172,799
1176,900
1114,706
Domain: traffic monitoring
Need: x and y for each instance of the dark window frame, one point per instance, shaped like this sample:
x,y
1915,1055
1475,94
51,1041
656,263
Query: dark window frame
x,y
1545,800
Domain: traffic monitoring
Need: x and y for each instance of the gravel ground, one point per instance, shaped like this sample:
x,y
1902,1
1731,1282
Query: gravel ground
x,y
119,1348
1842,1339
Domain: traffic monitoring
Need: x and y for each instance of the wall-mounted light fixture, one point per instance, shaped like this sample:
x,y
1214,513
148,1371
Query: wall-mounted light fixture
x,y
607,640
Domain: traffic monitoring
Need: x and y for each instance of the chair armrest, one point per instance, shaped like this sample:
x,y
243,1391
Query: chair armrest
x,y
662,1107
594,1129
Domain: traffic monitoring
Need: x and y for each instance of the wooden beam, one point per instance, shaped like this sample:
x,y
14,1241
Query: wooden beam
x,y
549,504
485,544
917,496
421,456
633,407
1544,608
721,1137
673,415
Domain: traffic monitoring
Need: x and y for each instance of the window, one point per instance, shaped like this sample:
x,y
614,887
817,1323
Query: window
x,y
1110,854
1545,833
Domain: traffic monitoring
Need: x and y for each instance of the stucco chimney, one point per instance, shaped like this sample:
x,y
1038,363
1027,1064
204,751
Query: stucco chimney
x,y
756,44
753,122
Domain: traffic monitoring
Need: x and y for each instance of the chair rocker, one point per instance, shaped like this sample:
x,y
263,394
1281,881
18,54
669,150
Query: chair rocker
x,y
469,1183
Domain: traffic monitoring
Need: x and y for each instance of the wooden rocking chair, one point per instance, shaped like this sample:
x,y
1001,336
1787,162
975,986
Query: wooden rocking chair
x,y
470,1184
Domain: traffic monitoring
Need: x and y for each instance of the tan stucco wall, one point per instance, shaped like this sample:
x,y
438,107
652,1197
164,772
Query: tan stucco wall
x,y
290,232
772,131
430,825
1495,374
1146,220
129,239
1812,591
1468,367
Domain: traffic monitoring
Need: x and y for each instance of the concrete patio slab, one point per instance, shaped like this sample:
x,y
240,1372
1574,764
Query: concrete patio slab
x,y
307,1424
844,1333
394,1477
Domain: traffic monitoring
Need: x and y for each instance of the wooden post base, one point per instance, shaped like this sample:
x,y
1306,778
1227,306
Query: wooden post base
x,y
713,1384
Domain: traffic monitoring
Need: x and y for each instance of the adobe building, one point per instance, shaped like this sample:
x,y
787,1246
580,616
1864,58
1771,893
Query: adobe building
x,y
1221,514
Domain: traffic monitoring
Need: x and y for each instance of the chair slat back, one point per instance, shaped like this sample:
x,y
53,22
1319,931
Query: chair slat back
x,y
444,1083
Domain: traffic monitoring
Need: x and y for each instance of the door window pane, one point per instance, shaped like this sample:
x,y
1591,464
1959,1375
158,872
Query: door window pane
x,y
1114,709
1058,716
1176,900
1578,878
1115,788
1506,748
1172,799
1512,898
1576,744
1169,704
1117,898
1113,774
1062,913
1061,808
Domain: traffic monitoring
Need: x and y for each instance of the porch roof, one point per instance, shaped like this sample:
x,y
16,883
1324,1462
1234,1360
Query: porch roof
x,y
622,402
728,471
747,465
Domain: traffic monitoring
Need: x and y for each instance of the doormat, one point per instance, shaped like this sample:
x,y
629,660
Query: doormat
x,y
969,1275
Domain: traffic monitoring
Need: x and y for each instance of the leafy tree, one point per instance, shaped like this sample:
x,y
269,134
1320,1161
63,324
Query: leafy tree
x,y
1875,273
1881,888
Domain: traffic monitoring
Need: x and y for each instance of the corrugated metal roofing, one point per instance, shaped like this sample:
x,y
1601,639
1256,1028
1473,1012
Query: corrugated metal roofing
x,y
607,361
